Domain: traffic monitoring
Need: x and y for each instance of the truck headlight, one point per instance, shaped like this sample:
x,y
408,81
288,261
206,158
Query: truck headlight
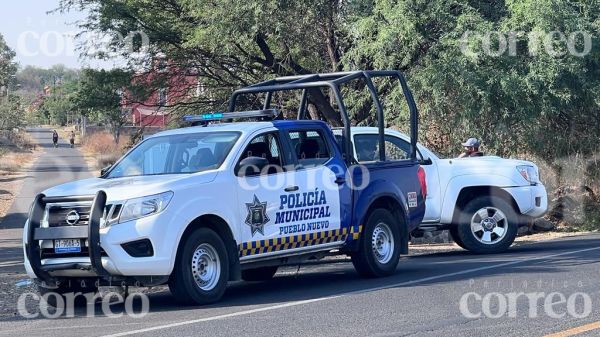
x,y
141,207
529,173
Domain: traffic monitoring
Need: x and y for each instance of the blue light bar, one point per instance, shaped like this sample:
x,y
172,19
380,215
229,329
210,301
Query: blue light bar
x,y
215,116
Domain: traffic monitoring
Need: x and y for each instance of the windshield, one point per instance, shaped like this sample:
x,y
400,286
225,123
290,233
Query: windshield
x,y
176,154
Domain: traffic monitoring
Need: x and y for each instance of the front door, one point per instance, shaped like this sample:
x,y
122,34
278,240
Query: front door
x,y
261,195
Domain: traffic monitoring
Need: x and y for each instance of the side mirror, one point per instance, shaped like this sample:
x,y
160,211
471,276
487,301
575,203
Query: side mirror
x,y
105,170
426,161
251,166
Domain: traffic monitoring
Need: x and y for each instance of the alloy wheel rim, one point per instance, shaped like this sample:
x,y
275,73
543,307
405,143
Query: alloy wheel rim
x,y
489,225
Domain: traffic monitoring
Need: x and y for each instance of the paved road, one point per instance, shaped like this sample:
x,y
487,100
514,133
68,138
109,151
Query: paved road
x,y
421,299
55,166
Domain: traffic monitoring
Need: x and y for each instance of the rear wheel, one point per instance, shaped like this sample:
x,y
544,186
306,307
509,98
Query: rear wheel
x,y
259,274
487,225
66,296
201,269
379,251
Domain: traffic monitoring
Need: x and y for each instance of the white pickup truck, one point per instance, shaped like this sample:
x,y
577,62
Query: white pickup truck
x,y
481,200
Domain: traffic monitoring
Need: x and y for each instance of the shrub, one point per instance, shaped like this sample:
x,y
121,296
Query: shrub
x,y
107,160
102,144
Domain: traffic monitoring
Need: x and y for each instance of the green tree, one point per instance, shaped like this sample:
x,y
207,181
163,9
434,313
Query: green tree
x,y
7,67
503,99
227,44
99,94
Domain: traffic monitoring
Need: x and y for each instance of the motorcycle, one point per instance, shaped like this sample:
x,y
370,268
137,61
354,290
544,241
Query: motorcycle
x,y
55,141
72,141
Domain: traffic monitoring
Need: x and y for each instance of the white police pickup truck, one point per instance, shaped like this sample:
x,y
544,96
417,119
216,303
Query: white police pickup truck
x,y
481,200
200,206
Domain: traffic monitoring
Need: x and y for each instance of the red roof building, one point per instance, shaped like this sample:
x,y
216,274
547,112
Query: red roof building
x,y
156,109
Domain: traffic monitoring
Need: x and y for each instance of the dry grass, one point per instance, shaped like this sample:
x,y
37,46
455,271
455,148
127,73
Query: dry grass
x,y
21,154
100,150
18,150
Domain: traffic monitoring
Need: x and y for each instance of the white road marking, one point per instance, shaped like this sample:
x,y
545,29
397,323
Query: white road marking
x,y
297,303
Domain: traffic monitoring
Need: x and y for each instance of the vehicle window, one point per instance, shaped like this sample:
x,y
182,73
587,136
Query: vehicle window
x,y
310,148
173,154
367,148
265,146
156,160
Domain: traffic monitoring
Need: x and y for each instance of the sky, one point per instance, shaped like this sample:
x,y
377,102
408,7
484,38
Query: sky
x,y
41,39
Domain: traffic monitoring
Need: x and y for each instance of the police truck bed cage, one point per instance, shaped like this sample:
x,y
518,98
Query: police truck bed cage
x,y
333,82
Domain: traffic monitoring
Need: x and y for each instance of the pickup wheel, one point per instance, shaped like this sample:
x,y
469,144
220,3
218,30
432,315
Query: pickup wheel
x,y
487,225
259,274
379,249
51,295
201,269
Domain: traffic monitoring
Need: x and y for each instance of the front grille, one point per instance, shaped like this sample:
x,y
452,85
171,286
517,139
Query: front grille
x,y
76,214
59,215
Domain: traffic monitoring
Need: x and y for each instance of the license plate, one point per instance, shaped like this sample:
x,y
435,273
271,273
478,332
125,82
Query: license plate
x,y
67,246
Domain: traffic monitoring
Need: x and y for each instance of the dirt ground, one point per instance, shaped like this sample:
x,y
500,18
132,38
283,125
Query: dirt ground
x,y
421,249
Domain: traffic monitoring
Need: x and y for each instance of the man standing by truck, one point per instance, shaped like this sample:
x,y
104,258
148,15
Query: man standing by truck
x,y
471,149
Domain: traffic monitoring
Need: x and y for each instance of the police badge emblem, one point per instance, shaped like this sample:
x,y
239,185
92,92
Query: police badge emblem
x,y
257,216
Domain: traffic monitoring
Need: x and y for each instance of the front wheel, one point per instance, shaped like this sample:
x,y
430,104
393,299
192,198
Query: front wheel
x,y
456,238
379,251
201,269
487,225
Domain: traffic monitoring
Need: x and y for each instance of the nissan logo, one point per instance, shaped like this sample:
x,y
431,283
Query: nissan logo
x,y
72,217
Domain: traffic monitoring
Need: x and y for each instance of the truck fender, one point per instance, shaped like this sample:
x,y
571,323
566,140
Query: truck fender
x,y
190,212
458,183
377,190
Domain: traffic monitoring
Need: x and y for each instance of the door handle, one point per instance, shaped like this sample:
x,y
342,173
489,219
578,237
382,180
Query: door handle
x,y
291,188
340,181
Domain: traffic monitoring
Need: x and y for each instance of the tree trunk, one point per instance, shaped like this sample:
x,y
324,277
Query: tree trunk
x,y
116,134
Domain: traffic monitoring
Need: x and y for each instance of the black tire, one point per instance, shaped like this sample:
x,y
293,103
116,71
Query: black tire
x,y
51,295
497,243
365,261
456,238
259,274
182,282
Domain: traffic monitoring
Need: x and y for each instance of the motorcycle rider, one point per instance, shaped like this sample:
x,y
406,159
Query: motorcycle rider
x,y
72,138
55,138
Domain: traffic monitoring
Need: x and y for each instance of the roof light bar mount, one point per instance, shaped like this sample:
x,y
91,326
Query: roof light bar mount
x,y
261,115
